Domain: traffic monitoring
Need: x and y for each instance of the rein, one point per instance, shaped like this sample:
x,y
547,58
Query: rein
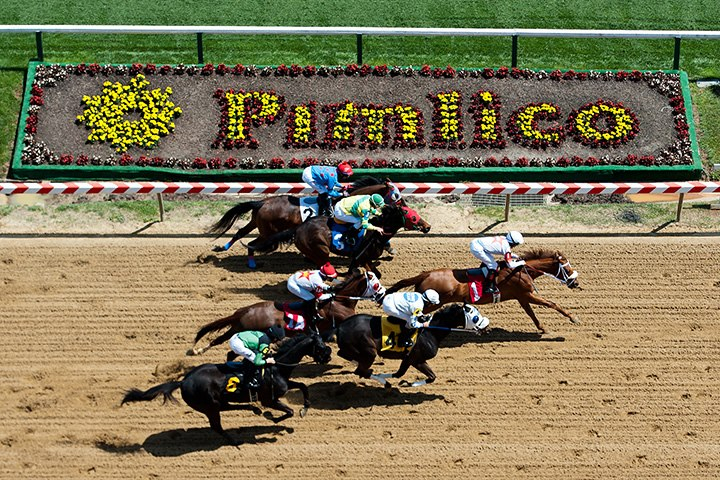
x,y
561,272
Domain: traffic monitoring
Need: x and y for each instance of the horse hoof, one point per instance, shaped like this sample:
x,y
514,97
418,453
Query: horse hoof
x,y
575,320
303,412
218,248
190,352
252,265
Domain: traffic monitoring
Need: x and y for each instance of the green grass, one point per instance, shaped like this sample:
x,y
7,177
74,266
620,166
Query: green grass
x,y
701,59
708,110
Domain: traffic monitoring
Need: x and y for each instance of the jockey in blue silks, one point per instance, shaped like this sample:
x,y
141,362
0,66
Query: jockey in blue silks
x,y
326,181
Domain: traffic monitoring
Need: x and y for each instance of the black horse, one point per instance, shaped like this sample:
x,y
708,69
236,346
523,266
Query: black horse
x,y
204,387
359,338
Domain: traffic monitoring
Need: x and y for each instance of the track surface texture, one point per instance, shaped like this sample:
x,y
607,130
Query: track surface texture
x,y
631,392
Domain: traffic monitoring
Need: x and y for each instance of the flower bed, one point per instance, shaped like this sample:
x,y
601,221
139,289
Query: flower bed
x,y
216,121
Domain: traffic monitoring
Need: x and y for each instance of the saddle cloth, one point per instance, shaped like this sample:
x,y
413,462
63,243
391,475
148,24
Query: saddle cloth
x,y
236,380
308,207
338,233
476,279
390,333
294,319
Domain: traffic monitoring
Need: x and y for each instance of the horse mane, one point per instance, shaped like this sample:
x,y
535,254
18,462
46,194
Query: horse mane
x,y
352,277
364,182
539,253
390,216
289,344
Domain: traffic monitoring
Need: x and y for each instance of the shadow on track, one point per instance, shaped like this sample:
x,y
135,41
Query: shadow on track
x,y
174,443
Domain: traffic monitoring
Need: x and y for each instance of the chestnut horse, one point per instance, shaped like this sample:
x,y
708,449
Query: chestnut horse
x,y
314,238
279,213
262,315
518,283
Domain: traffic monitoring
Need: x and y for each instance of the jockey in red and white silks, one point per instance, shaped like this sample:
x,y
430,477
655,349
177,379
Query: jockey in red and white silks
x,y
310,285
484,249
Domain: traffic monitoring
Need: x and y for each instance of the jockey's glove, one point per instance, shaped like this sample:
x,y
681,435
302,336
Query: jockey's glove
x,y
519,263
325,296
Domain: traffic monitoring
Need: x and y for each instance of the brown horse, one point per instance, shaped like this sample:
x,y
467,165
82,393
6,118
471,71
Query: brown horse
x,y
314,237
276,214
518,283
260,316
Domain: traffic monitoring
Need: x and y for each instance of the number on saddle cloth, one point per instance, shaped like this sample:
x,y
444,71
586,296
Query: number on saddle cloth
x,y
308,207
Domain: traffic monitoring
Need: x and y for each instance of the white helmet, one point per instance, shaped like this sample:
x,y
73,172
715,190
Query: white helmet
x,y
515,238
431,296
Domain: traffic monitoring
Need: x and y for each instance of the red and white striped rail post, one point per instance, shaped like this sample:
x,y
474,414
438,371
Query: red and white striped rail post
x,y
407,188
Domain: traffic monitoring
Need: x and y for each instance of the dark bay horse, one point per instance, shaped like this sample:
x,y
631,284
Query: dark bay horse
x,y
359,339
260,316
203,388
518,284
279,213
314,238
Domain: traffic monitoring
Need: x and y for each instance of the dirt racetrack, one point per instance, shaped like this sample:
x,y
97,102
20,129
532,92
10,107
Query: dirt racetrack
x,y
631,392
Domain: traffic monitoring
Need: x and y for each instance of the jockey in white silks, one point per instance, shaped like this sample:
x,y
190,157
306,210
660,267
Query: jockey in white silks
x,y
409,306
485,249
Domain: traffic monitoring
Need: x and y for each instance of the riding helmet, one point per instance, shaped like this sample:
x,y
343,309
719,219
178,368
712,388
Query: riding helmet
x,y
345,169
276,332
514,238
328,270
377,200
431,296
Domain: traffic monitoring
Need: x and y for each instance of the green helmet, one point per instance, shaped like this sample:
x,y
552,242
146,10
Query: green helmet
x,y
376,200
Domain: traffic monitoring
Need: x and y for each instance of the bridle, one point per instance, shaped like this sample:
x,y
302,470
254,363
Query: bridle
x,y
562,274
373,288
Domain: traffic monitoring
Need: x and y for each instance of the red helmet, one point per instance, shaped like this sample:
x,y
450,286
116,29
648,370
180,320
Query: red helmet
x,y
345,169
328,270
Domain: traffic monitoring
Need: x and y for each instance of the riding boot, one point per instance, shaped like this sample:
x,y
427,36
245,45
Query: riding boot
x,y
350,236
254,378
311,314
490,286
324,205
404,339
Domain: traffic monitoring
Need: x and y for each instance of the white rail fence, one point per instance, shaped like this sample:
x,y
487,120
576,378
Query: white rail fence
x,y
407,188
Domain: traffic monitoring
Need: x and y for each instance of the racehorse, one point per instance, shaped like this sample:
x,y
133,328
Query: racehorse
x,y
314,238
276,214
260,316
518,283
203,388
359,339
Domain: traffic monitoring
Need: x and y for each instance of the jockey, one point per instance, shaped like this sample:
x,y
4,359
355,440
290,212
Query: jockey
x,y
326,181
484,248
358,211
311,287
254,346
409,306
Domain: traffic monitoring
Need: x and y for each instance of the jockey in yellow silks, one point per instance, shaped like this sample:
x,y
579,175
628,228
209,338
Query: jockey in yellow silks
x,y
358,210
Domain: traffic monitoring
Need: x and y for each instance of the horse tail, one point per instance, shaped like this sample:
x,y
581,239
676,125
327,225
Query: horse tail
x,y
218,324
272,243
231,216
136,395
408,282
